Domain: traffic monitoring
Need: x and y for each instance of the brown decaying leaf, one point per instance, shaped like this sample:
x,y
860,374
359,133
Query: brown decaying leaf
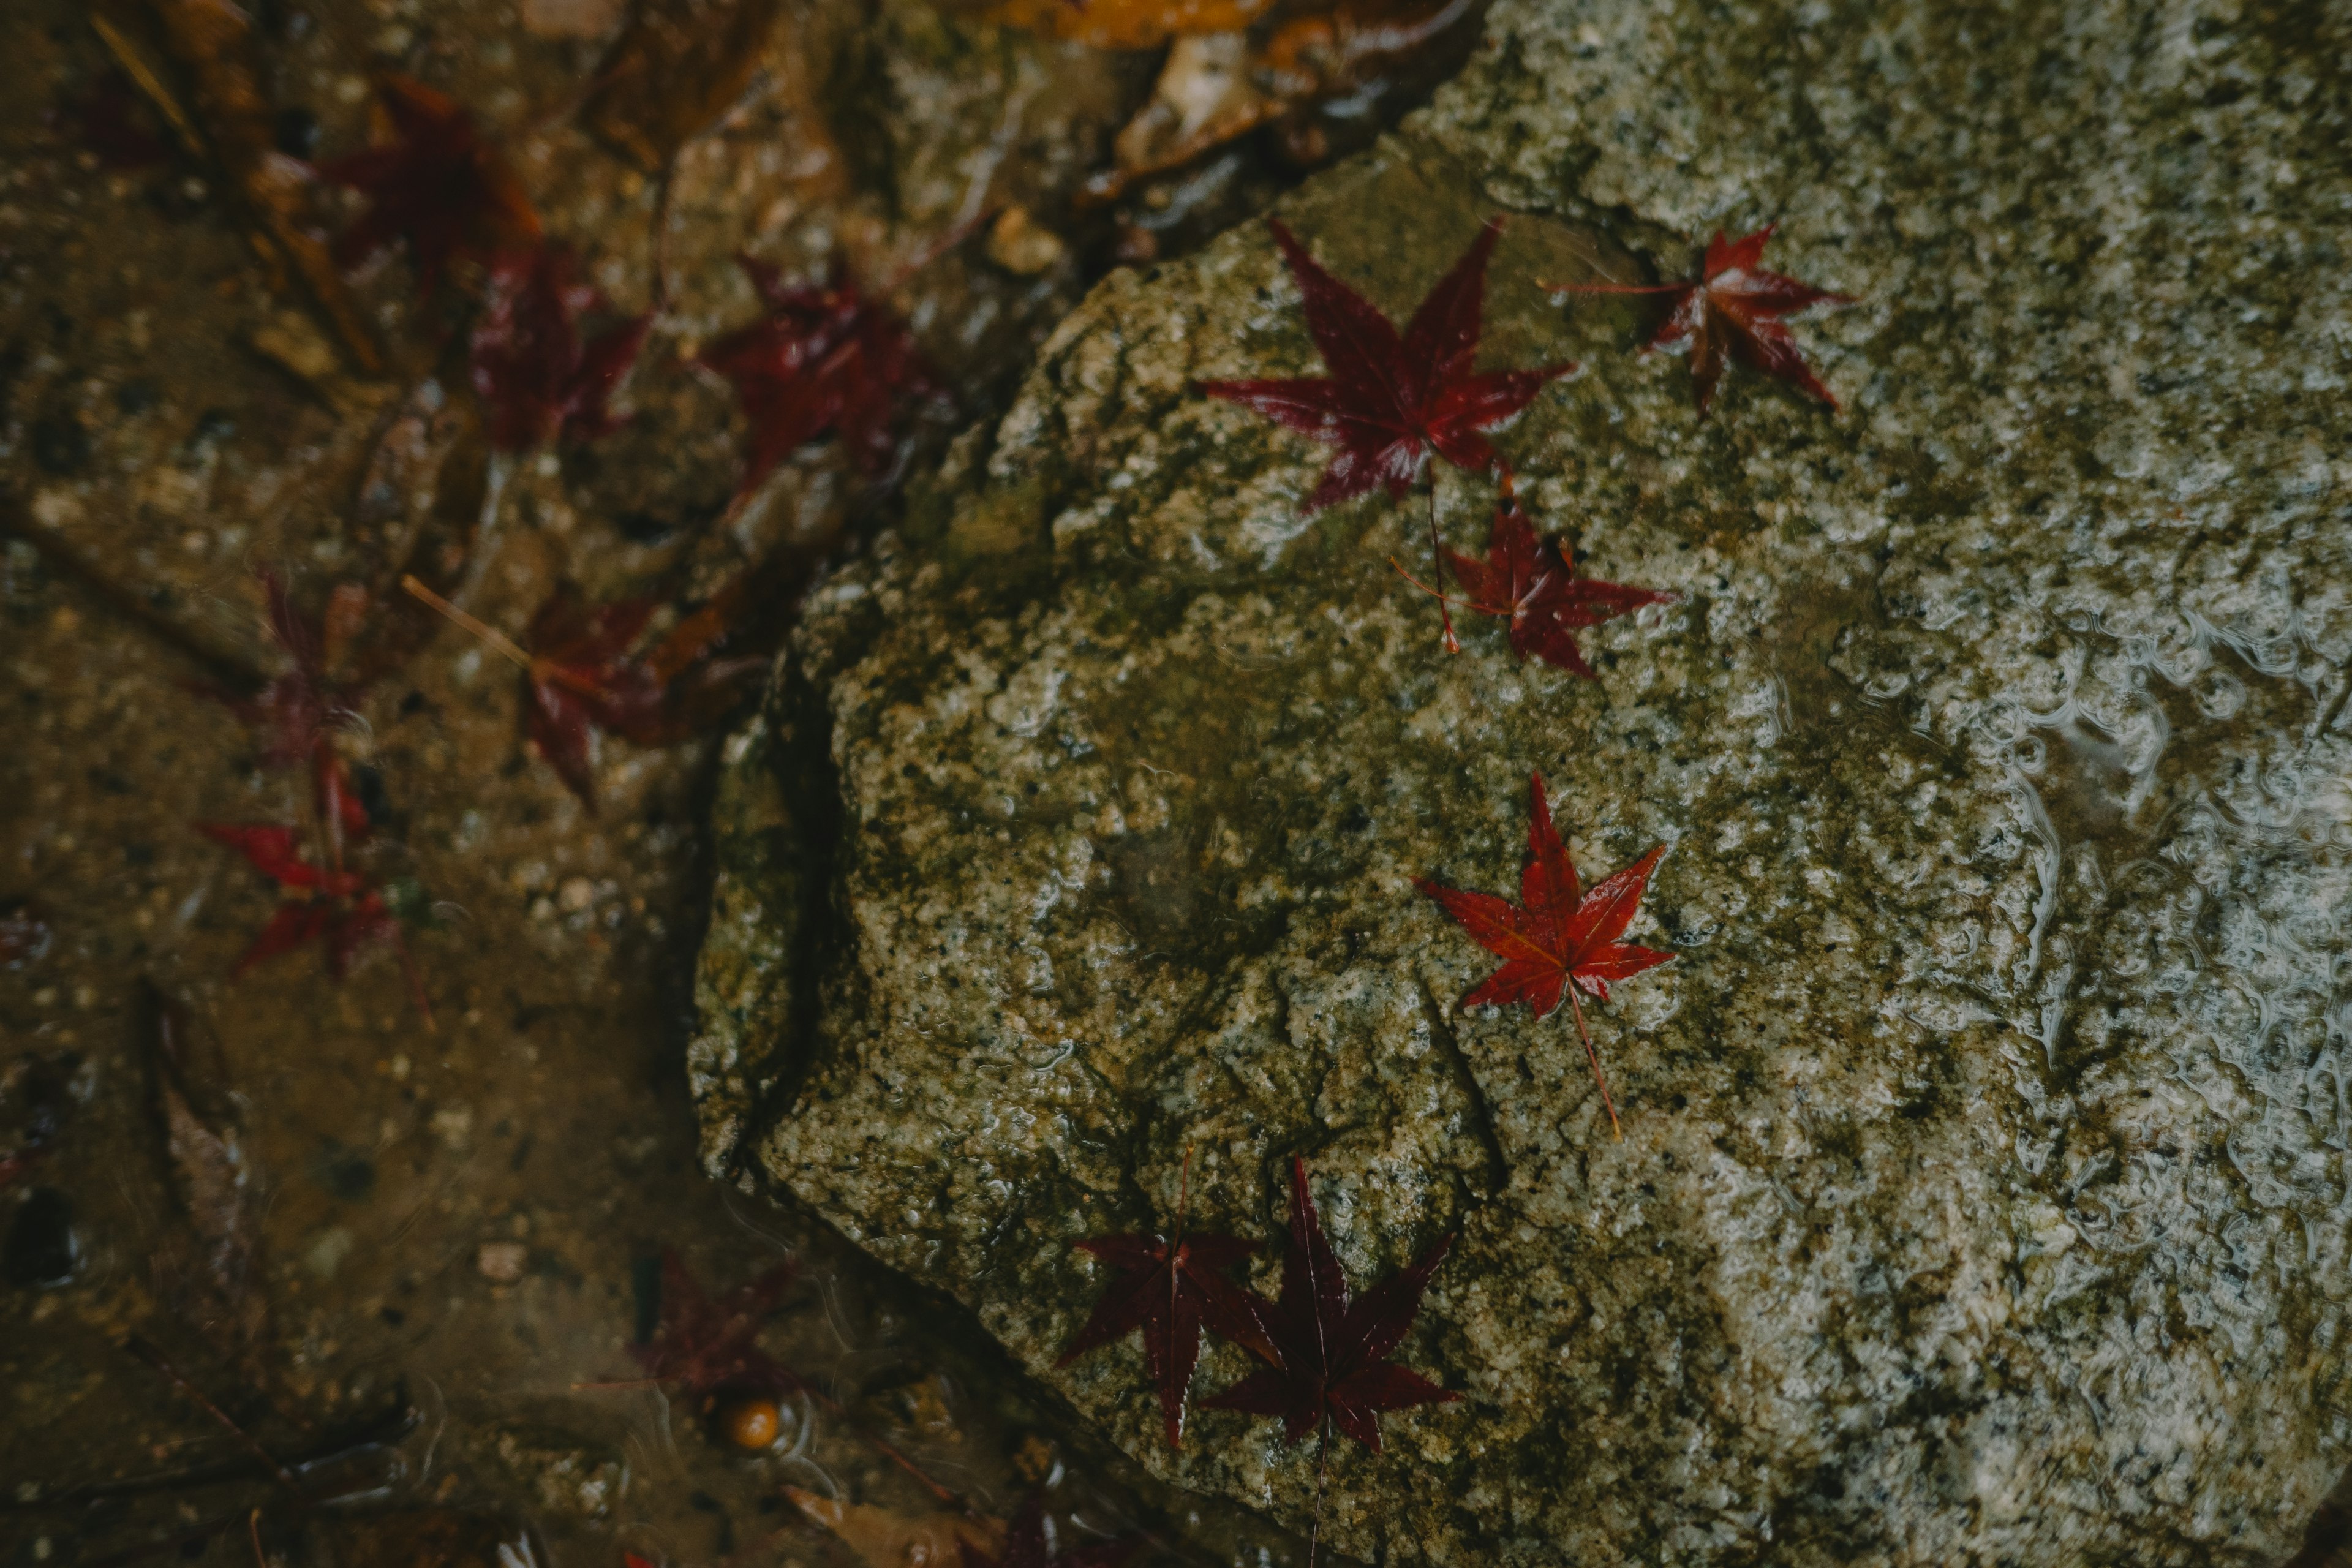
x,y
211,41
207,1272
888,1540
1216,86
675,68
1125,24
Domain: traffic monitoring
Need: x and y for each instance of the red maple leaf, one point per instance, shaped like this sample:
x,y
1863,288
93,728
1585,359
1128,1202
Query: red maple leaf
x,y
438,186
1733,306
1390,401
828,360
1562,939
579,675
1531,583
1169,1289
1025,1545
344,908
1329,1365
298,713
530,367
705,1345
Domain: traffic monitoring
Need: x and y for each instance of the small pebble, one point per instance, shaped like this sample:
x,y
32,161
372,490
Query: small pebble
x,y
501,1262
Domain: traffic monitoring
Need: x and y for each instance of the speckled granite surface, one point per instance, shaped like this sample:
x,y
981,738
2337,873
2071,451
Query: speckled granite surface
x,y
1984,1190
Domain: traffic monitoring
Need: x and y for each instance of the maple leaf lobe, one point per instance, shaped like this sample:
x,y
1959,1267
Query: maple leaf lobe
x,y
705,1345
824,361
534,372
1531,583
1392,399
1170,1291
1330,1351
1560,935
437,187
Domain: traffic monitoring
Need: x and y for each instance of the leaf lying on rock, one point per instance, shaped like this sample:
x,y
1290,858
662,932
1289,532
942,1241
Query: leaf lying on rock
x,y
1329,1364
1735,306
1562,939
1171,1290
1391,400
1531,583
436,186
537,378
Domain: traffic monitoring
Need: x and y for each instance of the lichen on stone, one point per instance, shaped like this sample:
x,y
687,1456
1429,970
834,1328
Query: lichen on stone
x,y
1982,1194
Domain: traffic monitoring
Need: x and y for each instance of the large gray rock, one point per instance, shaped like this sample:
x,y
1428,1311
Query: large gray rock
x,y
1984,1189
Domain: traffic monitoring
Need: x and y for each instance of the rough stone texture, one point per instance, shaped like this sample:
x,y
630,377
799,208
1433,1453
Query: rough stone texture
x,y
1984,1189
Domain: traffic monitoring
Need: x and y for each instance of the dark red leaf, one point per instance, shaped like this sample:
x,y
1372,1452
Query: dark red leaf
x,y
824,361
1170,1291
582,677
116,125
1531,583
1025,1545
1390,401
704,1345
536,376
1562,939
1330,1354
1734,306
344,908
437,187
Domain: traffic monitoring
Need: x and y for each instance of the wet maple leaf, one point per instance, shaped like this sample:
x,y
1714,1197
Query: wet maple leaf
x,y
346,909
1562,939
1391,400
1330,1361
1531,583
1025,1547
828,360
1170,1290
297,712
1735,306
438,186
581,677
705,1345
534,372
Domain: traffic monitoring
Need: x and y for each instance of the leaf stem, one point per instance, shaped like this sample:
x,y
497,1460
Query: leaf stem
x,y
1437,570
1611,287
156,1359
488,632
1434,593
1577,1007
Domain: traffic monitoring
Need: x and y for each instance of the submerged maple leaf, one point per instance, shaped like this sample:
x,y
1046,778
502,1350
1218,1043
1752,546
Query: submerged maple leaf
x,y
1734,306
1531,583
1170,1290
1025,1547
533,372
1391,400
705,1345
298,713
1562,939
438,186
1330,1361
346,909
828,360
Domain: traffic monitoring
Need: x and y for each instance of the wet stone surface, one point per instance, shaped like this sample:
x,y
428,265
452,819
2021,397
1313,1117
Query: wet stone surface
x,y
1982,1194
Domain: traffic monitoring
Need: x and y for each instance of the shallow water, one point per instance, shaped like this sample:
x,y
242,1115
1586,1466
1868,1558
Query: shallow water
x,y
448,1231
